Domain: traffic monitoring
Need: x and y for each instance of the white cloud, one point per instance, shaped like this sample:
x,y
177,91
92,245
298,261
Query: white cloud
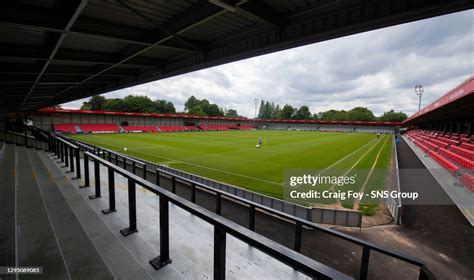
x,y
376,69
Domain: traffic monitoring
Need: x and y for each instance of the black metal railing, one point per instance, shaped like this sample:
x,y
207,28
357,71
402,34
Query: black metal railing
x,y
222,226
66,153
69,154
299,223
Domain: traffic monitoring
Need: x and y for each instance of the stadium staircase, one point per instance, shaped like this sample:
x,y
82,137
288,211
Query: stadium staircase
x,y
40,221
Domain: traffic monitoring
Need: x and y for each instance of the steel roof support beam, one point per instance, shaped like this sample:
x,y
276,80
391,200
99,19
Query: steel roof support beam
x,y
160,28
257,11
182,22
92,35
56,47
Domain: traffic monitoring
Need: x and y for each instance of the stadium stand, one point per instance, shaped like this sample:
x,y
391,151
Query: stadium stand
x,y
214,127
247,127
65,128
191,127
173,128
467,146
444,162
99,128
146,122
452,151
462,152
140,128
467,180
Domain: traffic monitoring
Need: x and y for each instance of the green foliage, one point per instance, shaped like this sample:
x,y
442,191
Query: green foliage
x,y
360,114
95,103
269,110
135,103
163,106
202,107
303,113
334,115
287,112
392,116
131,103
196,111
231,113
115,104
368,210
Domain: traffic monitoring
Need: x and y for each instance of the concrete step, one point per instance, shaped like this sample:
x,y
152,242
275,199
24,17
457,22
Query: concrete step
x,y
118,258
37,243
7,202
80,256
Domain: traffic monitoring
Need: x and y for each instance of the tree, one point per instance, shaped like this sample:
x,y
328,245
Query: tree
x,y
115,104
164,107
287,112
260,110
232,113
196,111
334,115
212,110
276,112
85,106
190,103
361,114
134,103
96,103
392,116
302,113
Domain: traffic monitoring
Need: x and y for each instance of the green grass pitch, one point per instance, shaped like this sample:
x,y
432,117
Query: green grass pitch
x,y
231,156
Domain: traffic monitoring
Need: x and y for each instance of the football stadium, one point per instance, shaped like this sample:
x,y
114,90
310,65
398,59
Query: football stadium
x,y
122,186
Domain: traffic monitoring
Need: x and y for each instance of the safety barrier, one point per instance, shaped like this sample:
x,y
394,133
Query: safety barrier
x,y
222,226
100,156
65,150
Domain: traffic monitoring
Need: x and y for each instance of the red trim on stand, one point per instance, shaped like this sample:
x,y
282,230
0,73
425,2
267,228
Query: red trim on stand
x,y
72,111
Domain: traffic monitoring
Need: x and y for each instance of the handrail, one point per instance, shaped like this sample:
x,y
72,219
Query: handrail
x,y
64,149
408,259
299,222
222,226
66,142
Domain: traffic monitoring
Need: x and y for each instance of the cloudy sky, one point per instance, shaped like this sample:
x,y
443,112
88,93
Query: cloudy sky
x,y
376,69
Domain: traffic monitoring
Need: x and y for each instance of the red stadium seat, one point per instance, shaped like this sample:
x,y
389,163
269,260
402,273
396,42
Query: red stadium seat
x,y
467,180
63,127
98,128
444,162
464,162
442,144
467,146
142,128
173,128
462,152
